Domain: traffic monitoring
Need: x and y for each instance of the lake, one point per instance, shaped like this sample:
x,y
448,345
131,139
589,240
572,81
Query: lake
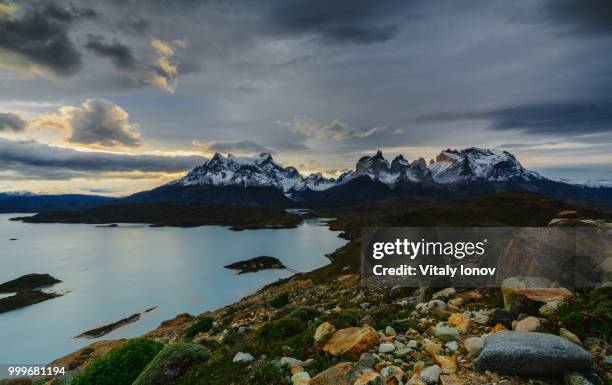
x,y
112,273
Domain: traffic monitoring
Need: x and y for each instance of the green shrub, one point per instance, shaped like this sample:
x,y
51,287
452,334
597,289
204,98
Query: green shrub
x,y
304,313
267,373
348,318
171,363
589,314
280,301
201,325
121,365
280,329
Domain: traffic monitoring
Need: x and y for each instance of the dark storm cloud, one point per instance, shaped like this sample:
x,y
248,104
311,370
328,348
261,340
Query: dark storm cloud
x,y
593,17
120,55
239,146
11,122
551,118
41,36
355,21
22,155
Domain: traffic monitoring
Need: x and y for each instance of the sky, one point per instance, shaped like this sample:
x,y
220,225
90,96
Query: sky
x,y
113,97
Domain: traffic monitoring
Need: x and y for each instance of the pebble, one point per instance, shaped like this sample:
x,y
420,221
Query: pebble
x,y
569,336
474,345
432,348
550,308
402,352
444,293
288,361
301,378
528,324
452,346
386,348
390,332
446,333
573,378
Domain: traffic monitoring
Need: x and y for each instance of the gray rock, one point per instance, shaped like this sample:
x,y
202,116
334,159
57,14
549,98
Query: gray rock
x,y
452,346
243,357
431,374
531,354
402,352
368,360
288,361
574,378
386,348
474,345
446,333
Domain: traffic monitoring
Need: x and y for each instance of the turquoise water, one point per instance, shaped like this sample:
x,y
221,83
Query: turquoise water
x,y
112,273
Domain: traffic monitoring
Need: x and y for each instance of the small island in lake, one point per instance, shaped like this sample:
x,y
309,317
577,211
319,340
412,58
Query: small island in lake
x,y
27,291
256,264
103,330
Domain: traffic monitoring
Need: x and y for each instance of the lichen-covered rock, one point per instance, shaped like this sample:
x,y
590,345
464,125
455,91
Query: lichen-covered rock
x,y
432,347
448,364
431,374
323,332
351,341
459,321
369,378
335,375
510,285
532,354
393,375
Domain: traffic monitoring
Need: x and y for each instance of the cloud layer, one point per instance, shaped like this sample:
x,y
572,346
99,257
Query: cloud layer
x,y
11,122
96,123
40,160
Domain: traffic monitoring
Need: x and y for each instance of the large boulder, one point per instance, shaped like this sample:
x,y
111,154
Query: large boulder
x,y
351,341
171,363
510,285
531,354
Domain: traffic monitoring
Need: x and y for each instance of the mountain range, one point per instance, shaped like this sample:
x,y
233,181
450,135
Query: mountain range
x,y
260,181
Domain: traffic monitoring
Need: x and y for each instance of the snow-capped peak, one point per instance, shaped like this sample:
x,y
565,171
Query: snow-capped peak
x,y
453,166
449,167
230,170
317,182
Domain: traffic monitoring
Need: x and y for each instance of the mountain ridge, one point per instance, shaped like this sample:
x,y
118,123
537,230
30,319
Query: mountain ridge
x,y
259,180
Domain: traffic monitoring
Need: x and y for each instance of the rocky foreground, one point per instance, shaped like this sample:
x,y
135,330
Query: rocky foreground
x,y
324,329
335,333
